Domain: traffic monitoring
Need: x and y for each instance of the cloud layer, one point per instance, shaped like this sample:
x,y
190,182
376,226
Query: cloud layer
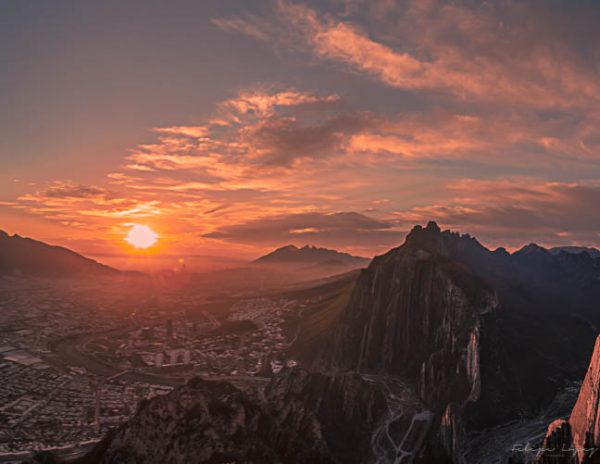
x,y
482,116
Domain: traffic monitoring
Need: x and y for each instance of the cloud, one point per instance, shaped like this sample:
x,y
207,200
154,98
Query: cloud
x,y
186,131
505,51
261,103
517,211
69,189
347,229
252,27
270,127
283,140
71,203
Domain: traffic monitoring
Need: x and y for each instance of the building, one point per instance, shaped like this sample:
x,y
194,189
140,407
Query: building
x,y
169,328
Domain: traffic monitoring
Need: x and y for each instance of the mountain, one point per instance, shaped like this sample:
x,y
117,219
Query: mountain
x,y
310,255
443,351
483,337
593,252
19,255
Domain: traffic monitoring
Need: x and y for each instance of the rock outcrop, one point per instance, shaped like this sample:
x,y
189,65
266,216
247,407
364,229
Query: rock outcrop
x,y
557,447
585,418
214,422
301,417
577,441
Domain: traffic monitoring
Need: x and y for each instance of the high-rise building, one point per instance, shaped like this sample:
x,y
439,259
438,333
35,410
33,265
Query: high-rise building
x,y
97,408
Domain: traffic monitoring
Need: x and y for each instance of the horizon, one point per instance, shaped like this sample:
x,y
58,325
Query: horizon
x,y
339,124
207,263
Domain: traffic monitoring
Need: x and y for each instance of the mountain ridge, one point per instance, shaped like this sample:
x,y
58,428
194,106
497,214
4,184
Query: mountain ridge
x,y
310,255
22,255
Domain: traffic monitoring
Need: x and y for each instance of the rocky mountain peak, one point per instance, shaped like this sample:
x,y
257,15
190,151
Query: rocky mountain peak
x,y
532,249
447,243
428,236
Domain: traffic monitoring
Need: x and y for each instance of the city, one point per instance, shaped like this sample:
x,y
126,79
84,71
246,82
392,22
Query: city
x,y
76,360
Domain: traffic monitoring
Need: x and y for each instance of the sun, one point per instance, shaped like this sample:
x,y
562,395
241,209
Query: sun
x,y
141,236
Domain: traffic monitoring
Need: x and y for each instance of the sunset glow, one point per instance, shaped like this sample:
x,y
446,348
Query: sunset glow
x,y
141,236
349,231
344,124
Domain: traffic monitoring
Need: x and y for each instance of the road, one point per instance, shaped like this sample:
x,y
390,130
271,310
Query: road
x,y
67,454
399,445
70,354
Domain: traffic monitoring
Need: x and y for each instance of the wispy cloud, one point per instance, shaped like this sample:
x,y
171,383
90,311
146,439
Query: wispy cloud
x,y
473,51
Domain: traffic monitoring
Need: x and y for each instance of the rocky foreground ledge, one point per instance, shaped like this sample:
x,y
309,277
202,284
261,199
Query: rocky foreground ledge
x,y
577,440
300,417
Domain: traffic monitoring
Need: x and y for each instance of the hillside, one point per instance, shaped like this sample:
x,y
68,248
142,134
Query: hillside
x,y
25,256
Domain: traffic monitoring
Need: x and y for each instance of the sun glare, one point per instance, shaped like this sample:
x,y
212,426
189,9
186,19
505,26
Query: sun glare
x,y
141,236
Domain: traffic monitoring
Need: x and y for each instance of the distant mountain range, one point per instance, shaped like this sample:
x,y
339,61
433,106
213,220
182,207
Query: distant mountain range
x,y
593,252
25,256
311,256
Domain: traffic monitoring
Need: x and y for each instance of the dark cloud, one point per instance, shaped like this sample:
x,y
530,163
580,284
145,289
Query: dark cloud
x,y
72,190
348,229
281,140
551,213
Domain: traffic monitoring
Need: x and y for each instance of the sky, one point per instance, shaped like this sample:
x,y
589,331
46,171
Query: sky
x,y
233,127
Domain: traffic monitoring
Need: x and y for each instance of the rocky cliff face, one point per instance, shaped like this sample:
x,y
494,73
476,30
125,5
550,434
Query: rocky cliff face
x,y
474,332
585,418
577,441
416,313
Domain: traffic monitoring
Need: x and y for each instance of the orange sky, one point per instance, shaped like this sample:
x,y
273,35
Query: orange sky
x,y
336,124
